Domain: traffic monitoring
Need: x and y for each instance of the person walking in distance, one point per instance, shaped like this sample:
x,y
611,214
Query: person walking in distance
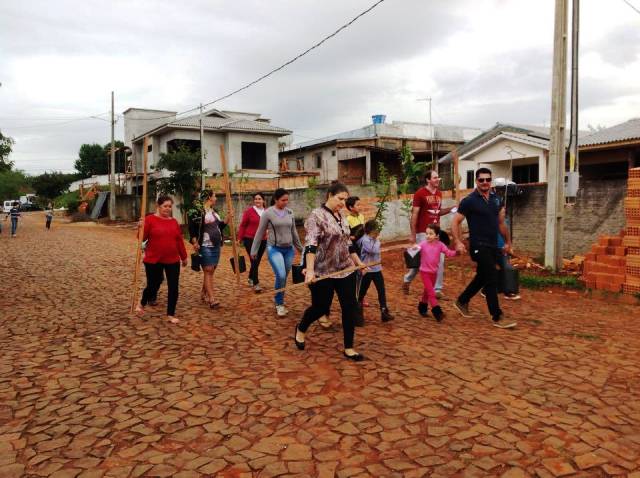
x,y
485,215
14,214
427,209
48,219
279,223
163,254
329,250
247,234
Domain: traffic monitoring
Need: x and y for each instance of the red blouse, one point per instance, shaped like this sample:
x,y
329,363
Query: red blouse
x,y
166,245
249,224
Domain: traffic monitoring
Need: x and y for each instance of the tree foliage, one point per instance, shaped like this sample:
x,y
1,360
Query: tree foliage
x,y
51,185
184,175
94,159
6,146
412,173
12,184
383,192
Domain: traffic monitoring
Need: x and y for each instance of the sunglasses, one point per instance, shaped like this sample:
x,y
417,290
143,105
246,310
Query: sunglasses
x,y
483,180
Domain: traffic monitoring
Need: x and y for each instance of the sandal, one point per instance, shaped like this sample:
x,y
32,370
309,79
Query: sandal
x,y
173,320
355,357
139,310
214,305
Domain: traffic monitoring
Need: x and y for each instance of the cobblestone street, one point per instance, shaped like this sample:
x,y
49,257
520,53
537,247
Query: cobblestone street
x,y
88,391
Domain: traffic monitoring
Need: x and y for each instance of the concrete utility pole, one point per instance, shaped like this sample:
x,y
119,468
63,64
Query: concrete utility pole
x,y
203,179
112,167
434,166
575,36
555,178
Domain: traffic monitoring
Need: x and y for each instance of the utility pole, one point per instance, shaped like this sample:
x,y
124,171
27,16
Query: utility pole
x,y
112,167
555,179
203,178
575,36
434,166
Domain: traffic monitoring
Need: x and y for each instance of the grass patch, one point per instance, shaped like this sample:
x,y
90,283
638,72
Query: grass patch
x,y
542,282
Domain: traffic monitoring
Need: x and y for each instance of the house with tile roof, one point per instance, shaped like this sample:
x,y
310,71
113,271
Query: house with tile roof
x,y
250,141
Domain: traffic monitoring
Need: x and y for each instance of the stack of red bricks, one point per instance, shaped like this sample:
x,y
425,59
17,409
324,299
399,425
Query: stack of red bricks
x,y
632,233
604,267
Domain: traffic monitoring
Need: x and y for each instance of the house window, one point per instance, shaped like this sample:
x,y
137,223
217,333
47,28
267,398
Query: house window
x,y
317,161
254,155
149,148
333,152
190,145
525,174
471,179
292,164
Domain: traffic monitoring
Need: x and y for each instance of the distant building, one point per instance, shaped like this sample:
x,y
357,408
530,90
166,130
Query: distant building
x,y
353,156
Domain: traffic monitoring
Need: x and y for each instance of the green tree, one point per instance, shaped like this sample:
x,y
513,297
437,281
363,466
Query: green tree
x,y
6,146
184,175
51,185
383,192
94,159
412,173
12,183
311,194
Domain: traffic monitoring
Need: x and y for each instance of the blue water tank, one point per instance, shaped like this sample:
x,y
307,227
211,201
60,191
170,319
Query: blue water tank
x,y
379,119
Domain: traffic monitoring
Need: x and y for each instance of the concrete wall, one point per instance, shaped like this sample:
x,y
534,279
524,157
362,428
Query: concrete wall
x,y
599,210
329,170
139,121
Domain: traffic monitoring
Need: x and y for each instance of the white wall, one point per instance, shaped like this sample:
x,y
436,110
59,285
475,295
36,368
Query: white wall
x,y
139,121
234,149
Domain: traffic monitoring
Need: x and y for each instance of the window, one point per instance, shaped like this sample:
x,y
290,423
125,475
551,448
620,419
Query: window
x,y
525,174
333,153
317,161
149,148
254,155
190,145
471,179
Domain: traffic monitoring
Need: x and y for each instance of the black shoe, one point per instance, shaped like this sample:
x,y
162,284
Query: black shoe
x,y
355,357
423,309
437,313
462,308
300,345
385,316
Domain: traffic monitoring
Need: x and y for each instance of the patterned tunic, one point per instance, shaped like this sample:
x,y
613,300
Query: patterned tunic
x,y
331,236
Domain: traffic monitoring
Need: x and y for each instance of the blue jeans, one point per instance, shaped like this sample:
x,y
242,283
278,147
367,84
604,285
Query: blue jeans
x,y
14,225
280,259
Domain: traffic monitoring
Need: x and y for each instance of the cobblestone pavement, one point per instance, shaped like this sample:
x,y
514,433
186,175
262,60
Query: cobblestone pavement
x,y
87,391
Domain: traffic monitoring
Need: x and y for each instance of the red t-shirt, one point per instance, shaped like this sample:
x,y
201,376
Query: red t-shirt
x,y
166,245
430,205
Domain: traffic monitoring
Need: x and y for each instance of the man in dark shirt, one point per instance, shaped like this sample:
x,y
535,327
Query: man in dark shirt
x,y
485,214
14,213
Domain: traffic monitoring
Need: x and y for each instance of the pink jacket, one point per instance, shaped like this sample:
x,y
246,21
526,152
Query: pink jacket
x,y
430,255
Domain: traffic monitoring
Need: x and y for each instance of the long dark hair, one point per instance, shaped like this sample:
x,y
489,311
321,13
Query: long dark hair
x,y
336,188
277,194
163,198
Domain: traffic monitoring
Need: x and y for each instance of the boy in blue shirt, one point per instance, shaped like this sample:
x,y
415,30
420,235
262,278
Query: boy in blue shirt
x,y
370,252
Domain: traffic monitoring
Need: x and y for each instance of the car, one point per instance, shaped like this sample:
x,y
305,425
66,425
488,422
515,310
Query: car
x,y
6,207
30,207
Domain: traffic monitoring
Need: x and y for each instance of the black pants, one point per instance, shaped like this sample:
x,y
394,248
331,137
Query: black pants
x,y
48,223
154,279
253,272
378,281
486,278
321,297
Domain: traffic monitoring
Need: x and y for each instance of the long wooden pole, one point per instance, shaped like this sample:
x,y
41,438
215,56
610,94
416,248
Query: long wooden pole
x,y
143,212
327,276
231,220
456,174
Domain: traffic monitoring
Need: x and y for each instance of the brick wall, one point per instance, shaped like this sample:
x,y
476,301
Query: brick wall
x,y
598,211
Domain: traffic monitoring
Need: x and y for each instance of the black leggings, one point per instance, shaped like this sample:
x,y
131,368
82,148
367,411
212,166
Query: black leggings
x,y
154,279
321,297
486,278
378,281
253,272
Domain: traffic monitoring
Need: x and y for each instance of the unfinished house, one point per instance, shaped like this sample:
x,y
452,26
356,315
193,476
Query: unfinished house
x,y
352,157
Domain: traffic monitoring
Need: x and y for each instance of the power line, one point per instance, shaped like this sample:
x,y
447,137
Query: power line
x,y
35,126
631,5
275,70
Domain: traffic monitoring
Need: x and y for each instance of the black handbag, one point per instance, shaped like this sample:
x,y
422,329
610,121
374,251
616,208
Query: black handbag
x,y
241,261
196,262
411,262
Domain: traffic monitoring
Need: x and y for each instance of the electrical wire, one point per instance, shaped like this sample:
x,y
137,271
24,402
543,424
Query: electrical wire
x,y
275,70
631,5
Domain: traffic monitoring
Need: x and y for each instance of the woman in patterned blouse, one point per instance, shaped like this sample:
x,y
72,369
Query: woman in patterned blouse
x,y
328,249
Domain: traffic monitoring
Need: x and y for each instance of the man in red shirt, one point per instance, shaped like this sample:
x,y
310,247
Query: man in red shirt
x,y
427,209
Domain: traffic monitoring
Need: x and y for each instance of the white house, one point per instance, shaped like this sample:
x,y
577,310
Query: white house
x,y
250,141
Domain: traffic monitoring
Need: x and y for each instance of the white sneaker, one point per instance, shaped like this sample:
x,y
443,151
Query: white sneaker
x,y
281,310
250,282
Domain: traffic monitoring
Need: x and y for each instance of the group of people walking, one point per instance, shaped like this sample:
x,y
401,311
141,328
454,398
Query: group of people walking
x,y
337,246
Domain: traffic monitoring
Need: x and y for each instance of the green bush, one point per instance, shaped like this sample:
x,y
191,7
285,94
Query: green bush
x,y
541,282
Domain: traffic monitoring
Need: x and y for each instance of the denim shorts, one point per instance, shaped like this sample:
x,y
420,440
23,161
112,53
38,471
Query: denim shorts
x,y
210,255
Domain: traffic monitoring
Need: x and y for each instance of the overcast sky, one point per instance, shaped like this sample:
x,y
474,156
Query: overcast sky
x,y
482,62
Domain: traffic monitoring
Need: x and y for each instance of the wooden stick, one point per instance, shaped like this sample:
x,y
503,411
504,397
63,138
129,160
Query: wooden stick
x,y
232,225
327,276
456,174
143,212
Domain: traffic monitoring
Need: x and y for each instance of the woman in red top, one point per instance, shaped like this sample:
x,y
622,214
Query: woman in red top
x,y
246,234
163,254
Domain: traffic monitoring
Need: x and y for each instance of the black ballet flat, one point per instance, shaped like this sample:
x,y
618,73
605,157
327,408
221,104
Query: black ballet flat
x,y
356,357
300,345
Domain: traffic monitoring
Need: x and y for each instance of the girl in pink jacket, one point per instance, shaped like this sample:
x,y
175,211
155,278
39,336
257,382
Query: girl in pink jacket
x,y
429,260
